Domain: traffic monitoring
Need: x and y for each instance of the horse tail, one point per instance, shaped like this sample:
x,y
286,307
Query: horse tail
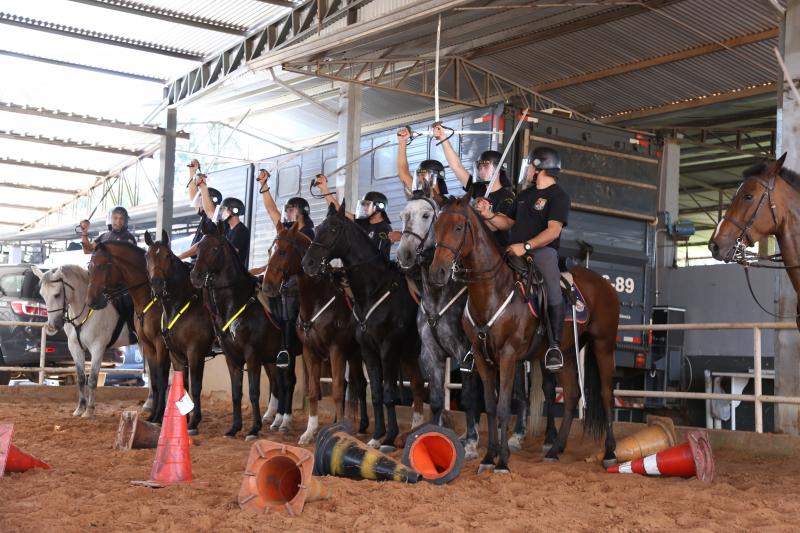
x,y
596,420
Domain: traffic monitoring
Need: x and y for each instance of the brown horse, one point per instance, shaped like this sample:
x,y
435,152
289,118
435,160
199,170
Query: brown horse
x,y
119,267
185,324
767,203
325,326
247,335
505,331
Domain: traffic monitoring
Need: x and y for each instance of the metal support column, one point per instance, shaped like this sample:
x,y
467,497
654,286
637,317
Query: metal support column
x,y
349,144
166,175
787,350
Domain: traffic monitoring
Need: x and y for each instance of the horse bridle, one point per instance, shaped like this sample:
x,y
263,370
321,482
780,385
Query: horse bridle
x,y
482,274
423,238
743,241
110,294
295,247
329,247
64,310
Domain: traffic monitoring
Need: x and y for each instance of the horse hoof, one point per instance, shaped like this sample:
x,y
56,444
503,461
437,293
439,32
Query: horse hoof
x,y
515,444
374,443
503,470
305,439
546,447
608,463
193,432
230,433
79,411
88,414
251,437
470,451
283,429
485,468
387,448
552,460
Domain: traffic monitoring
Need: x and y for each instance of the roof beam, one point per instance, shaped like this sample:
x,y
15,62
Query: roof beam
x,y
168,15
26,207
689,103
303,96
66,143
86,119
89,68
48,166
281,3
658,60
721,165
570,26
97,37
37,188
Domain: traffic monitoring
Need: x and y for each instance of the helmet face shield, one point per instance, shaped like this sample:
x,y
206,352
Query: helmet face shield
x,y
423,179
291,213
116,220
365,209
483,170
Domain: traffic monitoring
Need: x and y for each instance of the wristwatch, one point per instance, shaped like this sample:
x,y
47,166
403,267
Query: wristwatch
x,y
528,246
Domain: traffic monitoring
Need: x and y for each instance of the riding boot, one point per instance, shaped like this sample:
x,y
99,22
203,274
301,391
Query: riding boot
x,y
554,359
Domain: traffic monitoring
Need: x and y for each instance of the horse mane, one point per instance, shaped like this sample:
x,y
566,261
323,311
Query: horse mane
x,y
239,265
789,176
452,200
364,236
121,244
68,270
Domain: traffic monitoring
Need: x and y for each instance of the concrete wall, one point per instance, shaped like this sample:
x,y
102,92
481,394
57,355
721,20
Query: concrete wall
x,y
719,293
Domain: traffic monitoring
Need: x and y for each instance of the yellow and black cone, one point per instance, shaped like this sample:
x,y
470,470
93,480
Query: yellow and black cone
x,y
339,453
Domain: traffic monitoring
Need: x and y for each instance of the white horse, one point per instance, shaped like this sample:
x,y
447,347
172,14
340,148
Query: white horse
x,y
64,292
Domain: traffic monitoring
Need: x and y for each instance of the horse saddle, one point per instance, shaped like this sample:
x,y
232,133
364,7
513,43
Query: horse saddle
x,y
531,285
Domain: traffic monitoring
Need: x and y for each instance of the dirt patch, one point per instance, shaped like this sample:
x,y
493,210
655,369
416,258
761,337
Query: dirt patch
x,y
87,487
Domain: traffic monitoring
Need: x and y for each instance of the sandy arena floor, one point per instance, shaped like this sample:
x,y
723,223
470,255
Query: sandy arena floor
x,y
87,488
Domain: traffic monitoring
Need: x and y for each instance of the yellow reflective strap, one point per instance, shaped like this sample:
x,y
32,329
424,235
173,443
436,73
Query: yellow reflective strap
x,y
234,317
91,312
148,306
184,308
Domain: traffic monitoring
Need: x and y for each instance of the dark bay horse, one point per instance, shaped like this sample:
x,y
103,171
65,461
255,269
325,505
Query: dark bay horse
x,y
767,203
247,335
119,267
185,323
439,317
325,326
385,312
505,332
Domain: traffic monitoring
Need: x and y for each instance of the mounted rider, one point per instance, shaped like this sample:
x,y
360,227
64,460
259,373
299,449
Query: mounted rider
x,y
117,223
296,212
535,221
429,175
204,199
370,216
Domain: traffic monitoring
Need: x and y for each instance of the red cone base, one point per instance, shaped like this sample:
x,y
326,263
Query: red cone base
x,y
687,460
12,459
173,463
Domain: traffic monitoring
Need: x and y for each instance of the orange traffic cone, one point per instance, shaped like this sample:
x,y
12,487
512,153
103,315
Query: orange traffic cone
x,y
12,459
173,463
278,478
435,452
687,460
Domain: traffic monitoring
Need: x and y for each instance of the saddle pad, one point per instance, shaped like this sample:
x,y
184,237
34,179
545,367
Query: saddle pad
x,y
581,310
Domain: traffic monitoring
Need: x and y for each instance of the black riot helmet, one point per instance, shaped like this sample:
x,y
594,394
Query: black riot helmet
x,y
302,207
234,206
118,210
490,157
215,195
547,159
371,202
431,171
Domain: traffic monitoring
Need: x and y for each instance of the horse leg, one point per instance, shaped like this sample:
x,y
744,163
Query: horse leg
x,y
489,378
411,369
313,367
376,390
289,382
359,390
470,389
79,357
568,378
148,403
390,392
433,369
549,390
338,369
276,390
507,369
254,389
197,365
603,353
272,407
236,374
97,358
163,361
519,406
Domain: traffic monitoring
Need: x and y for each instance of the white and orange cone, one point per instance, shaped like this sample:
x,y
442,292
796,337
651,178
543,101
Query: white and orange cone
x,y
686,460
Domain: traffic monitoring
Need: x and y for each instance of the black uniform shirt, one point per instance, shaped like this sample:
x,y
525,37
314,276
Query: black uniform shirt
x,y
502,201
534,208
239,237
378,233
116,236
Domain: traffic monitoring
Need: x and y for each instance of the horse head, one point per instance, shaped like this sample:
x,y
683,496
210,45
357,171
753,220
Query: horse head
x,y
159,258
285,258
754,213
418,236
211,252
328,242
103,277
455,231
53,292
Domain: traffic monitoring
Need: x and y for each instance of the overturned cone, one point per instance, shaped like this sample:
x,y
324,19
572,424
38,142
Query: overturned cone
x,y
658,435
278,478
134,433
12,459
435,452
338,453
687,460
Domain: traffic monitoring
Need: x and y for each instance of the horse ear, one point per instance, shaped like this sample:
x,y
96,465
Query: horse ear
x,y
164,237
208,227
781,160
470,193
331,209
439,199
280,227
221,227
38,273
342,210
148,239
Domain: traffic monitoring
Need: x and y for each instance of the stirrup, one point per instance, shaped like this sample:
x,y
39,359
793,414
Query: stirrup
x,y
282,361
554,359
467,364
